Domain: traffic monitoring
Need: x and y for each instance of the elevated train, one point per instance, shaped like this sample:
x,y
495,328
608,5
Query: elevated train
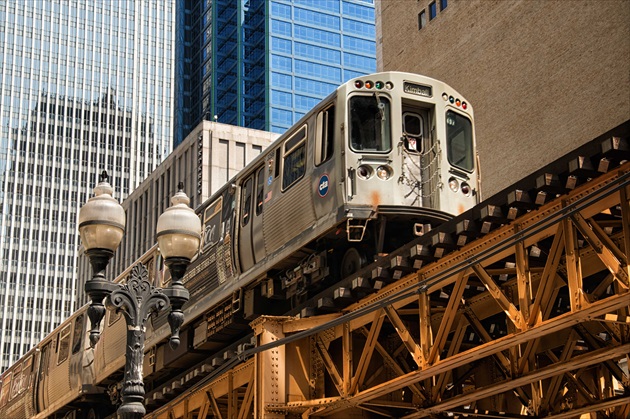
x,y
374,164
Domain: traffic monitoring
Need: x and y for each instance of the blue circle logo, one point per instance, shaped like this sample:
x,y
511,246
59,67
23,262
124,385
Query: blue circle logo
x,y
322,188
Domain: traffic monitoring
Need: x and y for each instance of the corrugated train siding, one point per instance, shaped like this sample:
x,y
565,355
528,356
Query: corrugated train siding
x,y
114,341
58,379
288,216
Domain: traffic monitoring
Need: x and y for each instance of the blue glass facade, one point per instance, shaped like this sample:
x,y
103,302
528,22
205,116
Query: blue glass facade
x,y
265,63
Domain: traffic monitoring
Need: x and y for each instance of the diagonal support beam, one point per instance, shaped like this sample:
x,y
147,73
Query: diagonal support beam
x,y
391,362
368,351
603,286
574,267
448,318
554,385
405,336
523,277
456,342
426,338
547,279
475,324
579,385
596,343
330,366
213,404
248,399
510,310
605,249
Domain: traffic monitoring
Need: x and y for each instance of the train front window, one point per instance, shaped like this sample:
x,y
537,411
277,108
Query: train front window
x,y
459,141
413,131
370,123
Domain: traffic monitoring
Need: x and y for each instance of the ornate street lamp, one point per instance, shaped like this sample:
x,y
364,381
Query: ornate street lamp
x,y
101,226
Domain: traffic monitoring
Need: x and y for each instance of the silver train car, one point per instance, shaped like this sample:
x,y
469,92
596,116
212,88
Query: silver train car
x,y
377,162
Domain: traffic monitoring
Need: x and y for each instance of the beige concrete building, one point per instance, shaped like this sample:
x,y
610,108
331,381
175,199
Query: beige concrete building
x,y
210,155
544,76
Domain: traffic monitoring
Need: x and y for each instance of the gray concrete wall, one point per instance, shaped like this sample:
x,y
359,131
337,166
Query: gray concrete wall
x,y
544,76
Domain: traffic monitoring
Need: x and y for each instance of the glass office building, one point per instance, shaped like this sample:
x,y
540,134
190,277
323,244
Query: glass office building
x,y
85,86
264,63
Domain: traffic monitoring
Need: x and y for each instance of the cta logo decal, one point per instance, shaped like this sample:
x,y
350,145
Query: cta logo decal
x,y
322,188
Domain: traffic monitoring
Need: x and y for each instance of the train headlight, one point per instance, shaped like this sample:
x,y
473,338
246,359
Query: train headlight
x,y
465,189
369,84
364,172
384,172
389,85
358,84
453,184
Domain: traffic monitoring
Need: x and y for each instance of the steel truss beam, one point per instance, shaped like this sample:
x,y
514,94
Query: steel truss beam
x,y
493,329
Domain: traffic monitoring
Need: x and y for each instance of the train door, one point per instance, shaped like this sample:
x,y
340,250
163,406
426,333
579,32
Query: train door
x,y
258,239
251,219
324,174
42,378
420,166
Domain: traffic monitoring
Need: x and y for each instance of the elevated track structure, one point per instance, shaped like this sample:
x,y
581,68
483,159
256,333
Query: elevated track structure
x,y
517,308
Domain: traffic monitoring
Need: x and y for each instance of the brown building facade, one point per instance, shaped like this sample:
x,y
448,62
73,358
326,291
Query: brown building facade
x,y
544,76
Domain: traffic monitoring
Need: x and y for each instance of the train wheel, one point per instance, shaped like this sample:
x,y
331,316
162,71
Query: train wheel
x,y
98,411
351,262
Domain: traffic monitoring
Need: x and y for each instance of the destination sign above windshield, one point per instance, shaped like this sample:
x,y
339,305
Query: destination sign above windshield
x,y
417,89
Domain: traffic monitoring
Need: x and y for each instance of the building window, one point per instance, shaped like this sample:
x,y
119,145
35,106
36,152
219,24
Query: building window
x,y
422,20
443,4
432,11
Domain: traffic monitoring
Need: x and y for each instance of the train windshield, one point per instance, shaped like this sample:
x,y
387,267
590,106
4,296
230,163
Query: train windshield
x,y
459,141
370,123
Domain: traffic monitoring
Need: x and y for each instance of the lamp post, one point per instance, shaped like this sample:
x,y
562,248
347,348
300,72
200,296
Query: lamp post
x,y
101,226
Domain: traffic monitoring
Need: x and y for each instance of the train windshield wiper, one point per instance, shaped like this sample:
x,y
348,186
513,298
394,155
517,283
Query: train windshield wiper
x,y
381,106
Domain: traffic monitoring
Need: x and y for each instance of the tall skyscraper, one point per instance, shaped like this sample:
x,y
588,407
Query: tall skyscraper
x,y
264,63
85,86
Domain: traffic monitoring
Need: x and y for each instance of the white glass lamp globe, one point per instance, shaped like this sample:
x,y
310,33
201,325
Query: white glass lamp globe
x,y
179,229
102,219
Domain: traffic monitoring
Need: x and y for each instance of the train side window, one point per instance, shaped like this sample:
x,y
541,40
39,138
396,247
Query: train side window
x,y
294,160
413,128
212,224
459,141
324,139
26,373
17,381
6,387
260,188
63,349
77,334
246,203
276,172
